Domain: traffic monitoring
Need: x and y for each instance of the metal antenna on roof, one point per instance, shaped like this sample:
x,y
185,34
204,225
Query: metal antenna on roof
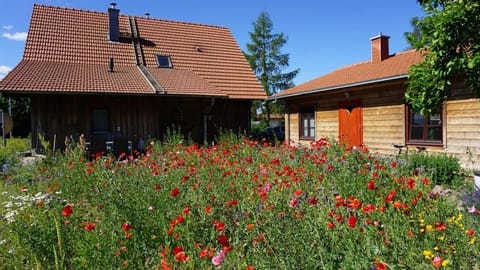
x,y
147,15
110,66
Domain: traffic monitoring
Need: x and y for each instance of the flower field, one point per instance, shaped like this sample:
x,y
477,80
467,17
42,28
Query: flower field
x,y
235,205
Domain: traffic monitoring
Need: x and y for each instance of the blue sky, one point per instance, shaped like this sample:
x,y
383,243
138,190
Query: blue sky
x,y
322,35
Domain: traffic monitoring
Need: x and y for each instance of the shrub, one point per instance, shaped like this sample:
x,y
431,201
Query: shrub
x,y
442,168
8,154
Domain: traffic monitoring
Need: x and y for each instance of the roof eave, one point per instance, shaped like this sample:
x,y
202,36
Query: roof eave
x,y
339,87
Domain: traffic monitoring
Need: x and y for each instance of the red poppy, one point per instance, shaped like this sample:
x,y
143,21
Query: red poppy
x,y
368,208
179,254
207,253
411,183
179,220
218,225
352,221
339,201
330,225
250,268
158,187
223,240
126,227
312,201
231,203
397,204
371,185
67,210
440,226
175,192
390,196
207,209
353,202
88,226
470,232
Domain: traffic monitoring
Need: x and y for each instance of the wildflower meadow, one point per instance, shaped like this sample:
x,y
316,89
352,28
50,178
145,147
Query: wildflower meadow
x,y
234,205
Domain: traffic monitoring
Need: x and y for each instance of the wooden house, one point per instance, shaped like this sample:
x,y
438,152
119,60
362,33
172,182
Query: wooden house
x,y
108,76
364,104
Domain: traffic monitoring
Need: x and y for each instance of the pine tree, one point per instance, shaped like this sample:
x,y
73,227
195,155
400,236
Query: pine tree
x,y
265,57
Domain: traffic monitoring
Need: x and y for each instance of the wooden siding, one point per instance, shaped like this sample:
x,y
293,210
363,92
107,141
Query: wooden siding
x,y
384,120
463,130
57,116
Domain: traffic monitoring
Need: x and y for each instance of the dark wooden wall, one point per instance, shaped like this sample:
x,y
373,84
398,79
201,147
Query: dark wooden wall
x,y
57,116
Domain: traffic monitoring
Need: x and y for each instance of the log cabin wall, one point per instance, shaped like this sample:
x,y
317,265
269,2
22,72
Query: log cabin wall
x,y
383,109
384,124
58,116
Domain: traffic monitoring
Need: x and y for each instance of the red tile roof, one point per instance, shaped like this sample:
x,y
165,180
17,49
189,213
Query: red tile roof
x,y
68,50
394,67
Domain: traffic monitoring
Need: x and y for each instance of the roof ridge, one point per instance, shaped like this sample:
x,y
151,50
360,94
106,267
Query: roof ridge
x,y
181,22
369,61
126,15
67,8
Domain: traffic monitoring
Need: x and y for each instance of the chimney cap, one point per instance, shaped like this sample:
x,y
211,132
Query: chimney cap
x,y
380,35
147,15
113,5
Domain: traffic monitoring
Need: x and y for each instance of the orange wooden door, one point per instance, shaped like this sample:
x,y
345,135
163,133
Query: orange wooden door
x,y
350,123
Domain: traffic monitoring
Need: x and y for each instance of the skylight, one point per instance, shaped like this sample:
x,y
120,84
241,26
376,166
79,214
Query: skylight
x,y
164,61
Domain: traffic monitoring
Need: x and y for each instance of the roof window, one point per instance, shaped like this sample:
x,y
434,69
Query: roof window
x,y
164,61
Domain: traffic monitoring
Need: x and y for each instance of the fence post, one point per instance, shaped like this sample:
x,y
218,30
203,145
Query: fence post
x,y
3,129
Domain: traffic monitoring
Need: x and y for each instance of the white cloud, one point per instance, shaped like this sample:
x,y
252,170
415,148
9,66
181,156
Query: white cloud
x,y
7,27
18,36
4,70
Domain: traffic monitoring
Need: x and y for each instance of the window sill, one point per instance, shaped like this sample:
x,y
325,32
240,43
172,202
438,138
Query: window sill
x,y
424,143
307,138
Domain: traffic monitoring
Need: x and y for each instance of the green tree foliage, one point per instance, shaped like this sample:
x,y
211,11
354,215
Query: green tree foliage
x,y
20,113
416,33
450,37
267,61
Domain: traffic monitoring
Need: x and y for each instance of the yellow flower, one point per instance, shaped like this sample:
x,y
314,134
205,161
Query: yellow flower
x,y
472,241
445,263
436,248
441,238
428,254
429,228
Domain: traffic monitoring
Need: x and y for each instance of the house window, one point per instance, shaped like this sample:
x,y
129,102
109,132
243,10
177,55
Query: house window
x,y
164,61
307,124
100,121
424,129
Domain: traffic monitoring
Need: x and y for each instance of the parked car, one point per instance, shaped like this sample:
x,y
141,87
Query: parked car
x,y
270,134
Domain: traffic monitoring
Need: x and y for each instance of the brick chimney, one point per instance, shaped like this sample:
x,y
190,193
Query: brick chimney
x,y
379,48
113,28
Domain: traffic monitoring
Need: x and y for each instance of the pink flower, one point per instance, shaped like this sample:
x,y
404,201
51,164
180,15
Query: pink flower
x,y
267,187
217,260
437,261
293,202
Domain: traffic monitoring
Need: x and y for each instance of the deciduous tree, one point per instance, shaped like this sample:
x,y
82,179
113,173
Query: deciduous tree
x,y
450,37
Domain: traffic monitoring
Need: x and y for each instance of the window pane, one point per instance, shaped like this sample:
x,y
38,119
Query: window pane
x,y
417,119
416,133
305,132
434,134
312,131
435,120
